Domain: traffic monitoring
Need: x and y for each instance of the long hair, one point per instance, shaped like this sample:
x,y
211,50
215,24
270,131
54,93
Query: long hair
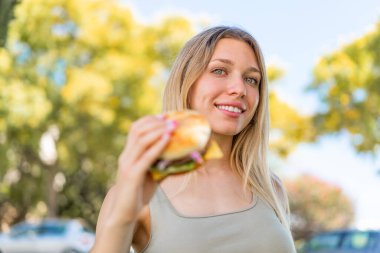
x,y
250,146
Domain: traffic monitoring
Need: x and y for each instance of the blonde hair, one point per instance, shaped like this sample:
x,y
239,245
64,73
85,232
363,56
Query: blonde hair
x,y
250,146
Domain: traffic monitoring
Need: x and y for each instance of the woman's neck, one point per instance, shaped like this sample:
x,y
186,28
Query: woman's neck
x,y
223,164
224,142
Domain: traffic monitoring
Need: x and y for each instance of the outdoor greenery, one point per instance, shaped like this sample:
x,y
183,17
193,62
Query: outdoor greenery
x,y
347,82
6,14
75,74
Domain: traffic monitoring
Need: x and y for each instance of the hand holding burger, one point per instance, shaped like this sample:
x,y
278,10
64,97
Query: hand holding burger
x,y
190,145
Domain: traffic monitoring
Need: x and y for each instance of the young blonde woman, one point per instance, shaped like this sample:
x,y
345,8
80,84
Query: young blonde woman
x,y
234,204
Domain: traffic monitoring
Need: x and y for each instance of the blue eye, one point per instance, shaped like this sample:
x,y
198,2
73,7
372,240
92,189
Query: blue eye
x,y
219,71
251,80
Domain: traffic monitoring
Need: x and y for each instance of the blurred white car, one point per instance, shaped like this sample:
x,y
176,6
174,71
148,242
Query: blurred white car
x,y
48,236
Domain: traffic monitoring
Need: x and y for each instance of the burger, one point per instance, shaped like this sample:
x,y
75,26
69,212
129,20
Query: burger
x,y
189,146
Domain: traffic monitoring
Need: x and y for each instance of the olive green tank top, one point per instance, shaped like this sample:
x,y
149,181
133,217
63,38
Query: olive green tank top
x,y
254,229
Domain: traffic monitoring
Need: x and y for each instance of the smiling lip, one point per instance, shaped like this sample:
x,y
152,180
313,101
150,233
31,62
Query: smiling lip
x,y
231,109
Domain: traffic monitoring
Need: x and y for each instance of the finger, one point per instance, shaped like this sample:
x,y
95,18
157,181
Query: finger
x,y
136,149
151,154
143,143
138,129
140,123
143,126
138,172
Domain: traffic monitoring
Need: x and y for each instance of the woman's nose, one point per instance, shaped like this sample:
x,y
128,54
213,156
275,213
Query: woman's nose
x,y
237,86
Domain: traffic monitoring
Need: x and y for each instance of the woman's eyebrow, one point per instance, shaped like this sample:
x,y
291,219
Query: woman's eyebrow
x,y
229,62
253,69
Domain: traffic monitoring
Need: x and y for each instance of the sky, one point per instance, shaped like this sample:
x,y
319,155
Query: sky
x,y
293,35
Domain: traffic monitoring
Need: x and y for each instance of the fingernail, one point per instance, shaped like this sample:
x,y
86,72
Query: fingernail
x,y
171,125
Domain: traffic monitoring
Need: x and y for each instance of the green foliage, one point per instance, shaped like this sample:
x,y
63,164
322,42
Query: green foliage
x,y
86,69
347,82
316,205
274,73
6,14
288,127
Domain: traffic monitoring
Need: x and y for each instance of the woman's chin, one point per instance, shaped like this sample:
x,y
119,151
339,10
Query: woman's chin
x,y
225,132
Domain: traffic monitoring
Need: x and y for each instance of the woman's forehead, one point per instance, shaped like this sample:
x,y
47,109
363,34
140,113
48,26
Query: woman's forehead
x,y
233,51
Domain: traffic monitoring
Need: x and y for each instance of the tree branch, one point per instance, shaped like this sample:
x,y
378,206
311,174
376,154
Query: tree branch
x,y
6,15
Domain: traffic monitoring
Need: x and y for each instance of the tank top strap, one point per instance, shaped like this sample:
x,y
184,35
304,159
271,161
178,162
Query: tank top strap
x,y
160,198
160,206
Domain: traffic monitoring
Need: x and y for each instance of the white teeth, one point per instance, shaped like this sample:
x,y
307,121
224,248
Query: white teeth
x,y
229,108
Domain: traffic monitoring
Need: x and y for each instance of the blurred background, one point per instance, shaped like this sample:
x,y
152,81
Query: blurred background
x,y
75,74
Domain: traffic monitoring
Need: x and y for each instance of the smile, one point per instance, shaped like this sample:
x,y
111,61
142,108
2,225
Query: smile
x,y
229,108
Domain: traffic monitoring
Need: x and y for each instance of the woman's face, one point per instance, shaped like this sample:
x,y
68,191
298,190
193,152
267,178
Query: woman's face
x,y
228,91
